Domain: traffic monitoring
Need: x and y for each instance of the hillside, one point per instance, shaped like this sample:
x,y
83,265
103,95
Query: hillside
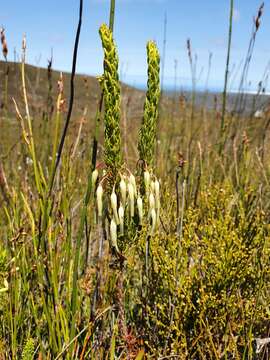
x,y
87,94
39,80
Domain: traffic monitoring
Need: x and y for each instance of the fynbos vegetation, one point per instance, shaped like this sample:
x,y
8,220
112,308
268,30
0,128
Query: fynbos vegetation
x,y
138,257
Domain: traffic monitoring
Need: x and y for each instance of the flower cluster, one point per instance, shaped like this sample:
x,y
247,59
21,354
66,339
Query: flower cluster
x,y
147,134
126,205
111,89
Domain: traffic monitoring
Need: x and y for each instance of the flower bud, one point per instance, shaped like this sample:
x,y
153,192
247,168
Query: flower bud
x,y
99,194
94,178
114,206
154,220
123,190
131,198
140,209
113,233
132,181
121,219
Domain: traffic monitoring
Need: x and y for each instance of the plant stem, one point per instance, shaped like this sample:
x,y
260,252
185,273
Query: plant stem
x,y
224,100
71,98
112,12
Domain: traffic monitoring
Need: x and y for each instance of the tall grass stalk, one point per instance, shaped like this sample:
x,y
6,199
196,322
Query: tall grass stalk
x,y
6,72
29,132
227,69
163,59
240,100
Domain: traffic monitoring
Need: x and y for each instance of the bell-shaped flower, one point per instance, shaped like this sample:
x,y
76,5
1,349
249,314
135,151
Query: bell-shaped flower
x,y
114,206
140,209
153,220
132,181
94,178
121,218
99,194
131,198
113,233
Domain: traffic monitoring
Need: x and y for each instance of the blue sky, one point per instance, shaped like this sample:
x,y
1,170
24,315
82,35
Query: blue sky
x,y
51,24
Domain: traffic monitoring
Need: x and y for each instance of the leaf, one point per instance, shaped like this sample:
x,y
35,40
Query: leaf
x,y
112,351
140,355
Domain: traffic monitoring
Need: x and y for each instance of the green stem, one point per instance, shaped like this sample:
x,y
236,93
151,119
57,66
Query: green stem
x,y
74,295
224,101
112,15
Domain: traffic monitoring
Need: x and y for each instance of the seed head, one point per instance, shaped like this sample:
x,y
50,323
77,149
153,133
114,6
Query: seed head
x,y
4,43
60,84
24,43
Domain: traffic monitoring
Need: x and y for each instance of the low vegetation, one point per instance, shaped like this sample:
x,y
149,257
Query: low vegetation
x,y
145,239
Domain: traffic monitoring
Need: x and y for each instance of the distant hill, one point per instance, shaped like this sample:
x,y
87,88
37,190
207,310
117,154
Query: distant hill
x,y
87,94
87,90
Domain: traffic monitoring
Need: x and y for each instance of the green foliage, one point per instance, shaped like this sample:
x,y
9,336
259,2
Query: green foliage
x,y
3,260
147,135
207,294
196,291
28,350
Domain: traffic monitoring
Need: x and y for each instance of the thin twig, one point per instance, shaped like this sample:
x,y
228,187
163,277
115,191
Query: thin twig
x,y
71,98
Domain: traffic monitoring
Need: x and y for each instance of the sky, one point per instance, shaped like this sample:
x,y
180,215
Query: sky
x,y
50,27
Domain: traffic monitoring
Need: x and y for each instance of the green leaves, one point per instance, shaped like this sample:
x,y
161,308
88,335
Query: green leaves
x,y
28,350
